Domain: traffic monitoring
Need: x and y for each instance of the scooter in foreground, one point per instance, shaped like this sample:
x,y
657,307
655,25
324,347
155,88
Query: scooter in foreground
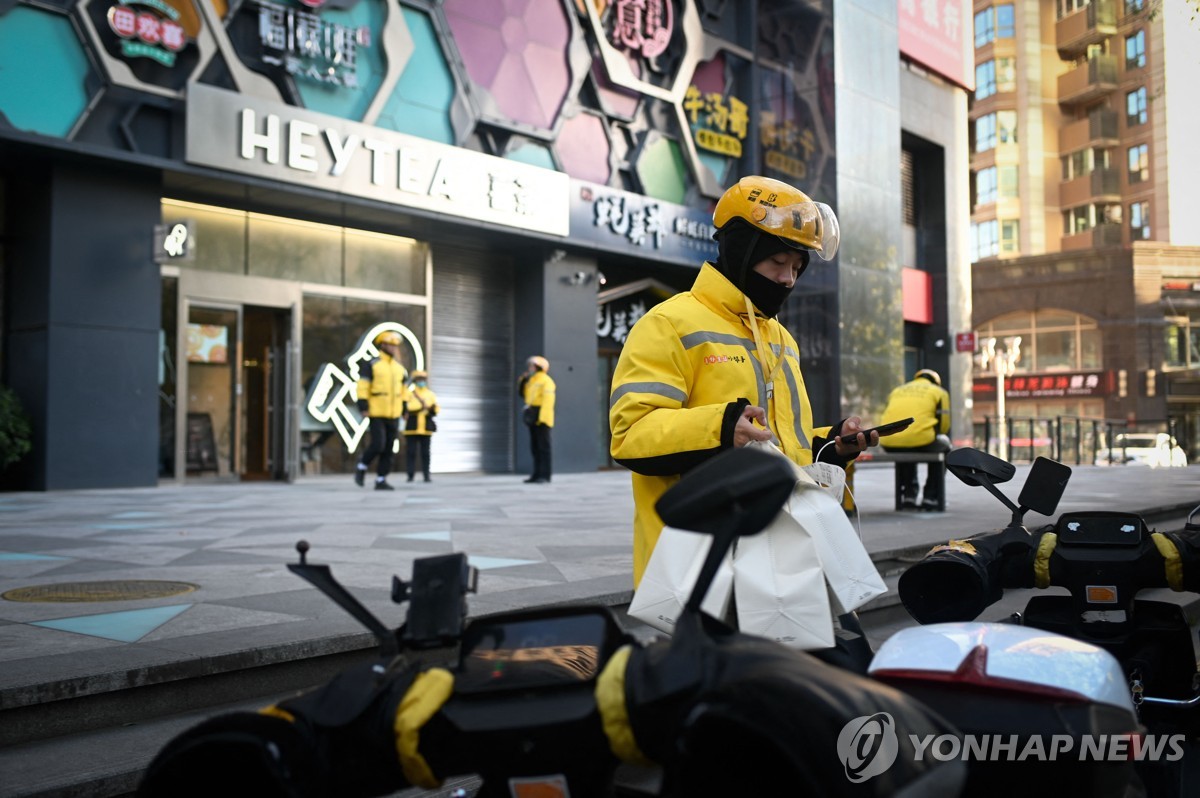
x,y
548,702
1102,560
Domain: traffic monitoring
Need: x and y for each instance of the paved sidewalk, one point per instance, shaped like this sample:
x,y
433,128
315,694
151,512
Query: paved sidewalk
x,y
565,542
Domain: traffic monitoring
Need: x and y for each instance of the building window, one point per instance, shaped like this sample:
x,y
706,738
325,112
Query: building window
x,y
1135,107
1134,6
1139,163
1139,221
1006,74
1135,50
1077,220
985,186
1068,7
1051,340
1010,235
993,23
985,80
1182,339
985,241
985,29
985,133
1008,182
1006,127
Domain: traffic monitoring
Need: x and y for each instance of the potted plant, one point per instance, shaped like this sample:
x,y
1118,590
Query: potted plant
x,y
15,430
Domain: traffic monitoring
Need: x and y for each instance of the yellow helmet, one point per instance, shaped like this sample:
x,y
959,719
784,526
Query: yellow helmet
x,y
930,375
388,337
778,209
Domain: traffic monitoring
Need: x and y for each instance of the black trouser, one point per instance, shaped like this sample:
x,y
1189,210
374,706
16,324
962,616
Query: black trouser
x,y
935,474
383,439
539,444
412,445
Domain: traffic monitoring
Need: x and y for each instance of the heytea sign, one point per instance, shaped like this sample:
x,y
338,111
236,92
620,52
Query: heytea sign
x,y
280,142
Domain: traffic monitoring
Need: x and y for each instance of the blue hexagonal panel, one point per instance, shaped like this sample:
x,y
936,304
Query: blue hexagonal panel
x,y
420,104
42,71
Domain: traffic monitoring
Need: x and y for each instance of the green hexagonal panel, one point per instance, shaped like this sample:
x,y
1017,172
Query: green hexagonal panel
x,y
662,170
42,71
420,103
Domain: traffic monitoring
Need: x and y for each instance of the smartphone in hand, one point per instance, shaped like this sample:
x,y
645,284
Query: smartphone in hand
x,y
883,430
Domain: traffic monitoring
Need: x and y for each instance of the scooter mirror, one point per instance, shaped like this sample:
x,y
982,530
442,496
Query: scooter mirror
x,y
1044,486
978,468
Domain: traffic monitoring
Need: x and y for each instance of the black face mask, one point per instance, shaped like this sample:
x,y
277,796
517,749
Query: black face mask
x,y
767,295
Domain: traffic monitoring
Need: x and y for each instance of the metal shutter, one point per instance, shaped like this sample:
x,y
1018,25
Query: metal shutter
x,y
471,362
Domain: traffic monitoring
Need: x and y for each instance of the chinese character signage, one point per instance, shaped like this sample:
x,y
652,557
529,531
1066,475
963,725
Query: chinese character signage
x,y
148,29
720,123
642,27
306,46
643,226
1046,386
619,308
934,34
280,142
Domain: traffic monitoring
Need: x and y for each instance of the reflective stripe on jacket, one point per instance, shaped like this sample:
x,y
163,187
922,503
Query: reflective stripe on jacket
x,y
539,393
421,405
683,365
382,383
929,407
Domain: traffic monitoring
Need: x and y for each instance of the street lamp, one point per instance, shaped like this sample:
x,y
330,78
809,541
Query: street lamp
x,y
1003,353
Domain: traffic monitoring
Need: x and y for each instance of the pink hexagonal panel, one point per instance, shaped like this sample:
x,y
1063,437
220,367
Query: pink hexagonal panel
x,y
516,50
583,148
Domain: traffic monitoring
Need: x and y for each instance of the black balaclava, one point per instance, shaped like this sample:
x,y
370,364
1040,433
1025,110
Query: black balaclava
x,y
740,247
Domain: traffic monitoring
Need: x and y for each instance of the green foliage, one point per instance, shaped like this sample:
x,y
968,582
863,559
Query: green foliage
x,y
15,429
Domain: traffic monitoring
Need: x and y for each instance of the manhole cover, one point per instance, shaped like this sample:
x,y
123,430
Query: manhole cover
x,y
120,590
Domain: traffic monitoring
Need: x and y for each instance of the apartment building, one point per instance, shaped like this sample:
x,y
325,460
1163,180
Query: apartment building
x,y
1084,193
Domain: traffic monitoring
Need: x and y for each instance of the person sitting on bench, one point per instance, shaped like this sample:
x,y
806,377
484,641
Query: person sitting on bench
x,y
927,402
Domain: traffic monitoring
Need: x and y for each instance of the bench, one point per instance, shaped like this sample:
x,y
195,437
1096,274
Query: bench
x,y
880,456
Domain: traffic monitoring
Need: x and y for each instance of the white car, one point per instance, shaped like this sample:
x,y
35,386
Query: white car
x,y
1154,449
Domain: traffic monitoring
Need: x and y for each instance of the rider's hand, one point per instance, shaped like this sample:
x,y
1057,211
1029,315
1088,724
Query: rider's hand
x,y
745,431
851,426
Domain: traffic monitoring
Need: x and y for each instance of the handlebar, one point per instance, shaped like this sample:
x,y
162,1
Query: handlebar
x,y
1104,559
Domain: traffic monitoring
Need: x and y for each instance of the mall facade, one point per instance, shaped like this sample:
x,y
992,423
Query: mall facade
x,y
210,209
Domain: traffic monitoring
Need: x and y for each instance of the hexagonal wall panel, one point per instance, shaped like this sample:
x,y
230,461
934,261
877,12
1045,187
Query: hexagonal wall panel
x,y
43,68
583,149
518,56
421,102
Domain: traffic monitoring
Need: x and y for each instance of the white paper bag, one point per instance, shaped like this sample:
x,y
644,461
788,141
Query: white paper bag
x,y
669,576
852,577
779,587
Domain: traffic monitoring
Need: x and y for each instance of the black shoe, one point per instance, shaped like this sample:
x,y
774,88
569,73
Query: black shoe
x,y
410,476
427,479
908,504
359,473
537,480
930,505
532,479
383,486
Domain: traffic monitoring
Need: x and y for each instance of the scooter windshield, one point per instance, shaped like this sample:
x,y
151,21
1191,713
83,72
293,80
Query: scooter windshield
x,y
812,224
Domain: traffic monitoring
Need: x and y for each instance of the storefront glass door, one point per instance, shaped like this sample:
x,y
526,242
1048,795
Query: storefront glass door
x,y
213,357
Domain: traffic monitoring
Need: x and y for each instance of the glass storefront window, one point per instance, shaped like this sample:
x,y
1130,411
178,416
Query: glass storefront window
x,y
294,250
219,235
1055,351
332,328
167,361
385,262
1052,340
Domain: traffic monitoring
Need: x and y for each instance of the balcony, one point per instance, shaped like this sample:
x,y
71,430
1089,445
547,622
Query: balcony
x,y
1091,25
1103,235
1101,185
1089,82
1099,129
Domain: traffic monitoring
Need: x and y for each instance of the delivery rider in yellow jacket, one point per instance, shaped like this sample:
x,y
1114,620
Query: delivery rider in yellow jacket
x,y
711,368
537,391
381,394
420,423
924,400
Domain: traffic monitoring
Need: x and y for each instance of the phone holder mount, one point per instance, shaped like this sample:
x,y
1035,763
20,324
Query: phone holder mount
x,y
437,600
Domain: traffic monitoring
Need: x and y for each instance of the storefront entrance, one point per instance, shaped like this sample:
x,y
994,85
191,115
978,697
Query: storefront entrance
x,y
236,407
